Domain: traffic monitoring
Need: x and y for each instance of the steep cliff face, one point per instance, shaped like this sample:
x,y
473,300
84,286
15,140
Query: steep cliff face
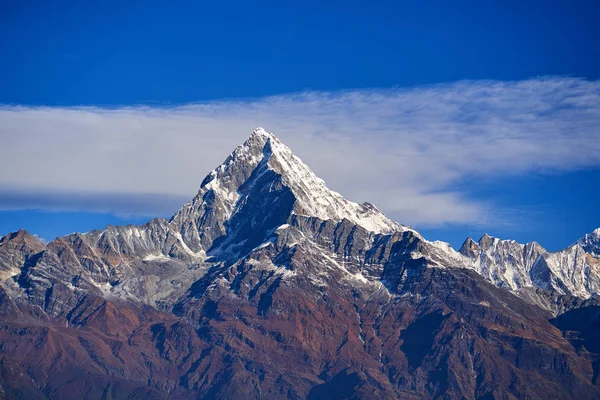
x,y
269,285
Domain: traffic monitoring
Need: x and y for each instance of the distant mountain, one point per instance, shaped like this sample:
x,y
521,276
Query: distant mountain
x,y
591,243
269,285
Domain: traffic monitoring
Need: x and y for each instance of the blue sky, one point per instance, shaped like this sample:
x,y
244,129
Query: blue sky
x,y
493,104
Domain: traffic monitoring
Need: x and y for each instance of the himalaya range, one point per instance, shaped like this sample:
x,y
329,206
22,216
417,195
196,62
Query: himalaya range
x,y
269,285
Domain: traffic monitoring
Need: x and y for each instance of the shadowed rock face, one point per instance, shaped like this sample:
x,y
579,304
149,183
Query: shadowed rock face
x,y
268,285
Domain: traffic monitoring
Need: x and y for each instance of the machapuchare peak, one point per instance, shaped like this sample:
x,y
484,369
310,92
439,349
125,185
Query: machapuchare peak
x,y
264,182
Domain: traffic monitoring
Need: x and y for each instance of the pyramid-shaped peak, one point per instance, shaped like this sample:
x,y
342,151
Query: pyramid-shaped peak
x,y
261,132
485,237
259,137
259,143
486,241
251,176
469,248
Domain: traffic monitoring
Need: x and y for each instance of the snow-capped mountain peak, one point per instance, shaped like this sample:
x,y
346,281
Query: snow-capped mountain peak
x,y
261,132
263,170
591,243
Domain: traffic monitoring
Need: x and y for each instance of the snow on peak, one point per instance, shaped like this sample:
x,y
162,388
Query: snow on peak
x,y
594,236
263,151
591,243
314,199
260,131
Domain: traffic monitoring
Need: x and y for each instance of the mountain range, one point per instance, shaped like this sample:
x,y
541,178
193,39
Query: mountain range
x,y
267,284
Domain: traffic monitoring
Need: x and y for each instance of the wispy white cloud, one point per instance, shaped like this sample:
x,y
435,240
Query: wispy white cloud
x,y
405,150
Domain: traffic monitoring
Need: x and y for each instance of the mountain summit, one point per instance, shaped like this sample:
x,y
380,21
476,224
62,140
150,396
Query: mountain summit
x,y
269,285
591,243
263,178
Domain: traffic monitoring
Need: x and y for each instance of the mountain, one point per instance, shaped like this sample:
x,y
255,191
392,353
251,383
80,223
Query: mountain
x,y
591,243
269,285
506,263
